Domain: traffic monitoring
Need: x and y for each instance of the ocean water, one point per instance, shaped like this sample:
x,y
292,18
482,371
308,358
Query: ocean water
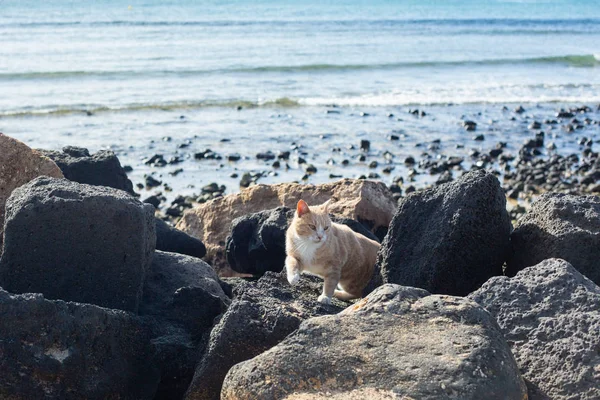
x,y
124,75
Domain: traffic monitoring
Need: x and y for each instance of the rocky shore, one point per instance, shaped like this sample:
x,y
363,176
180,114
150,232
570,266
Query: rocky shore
x,y
101,298
532,149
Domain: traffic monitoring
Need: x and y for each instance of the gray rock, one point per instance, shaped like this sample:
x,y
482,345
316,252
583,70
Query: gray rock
x,y
100,169
448,239
262,315
183,290
58,350
550,315
256,243
173,240
400,342
76,242
561,226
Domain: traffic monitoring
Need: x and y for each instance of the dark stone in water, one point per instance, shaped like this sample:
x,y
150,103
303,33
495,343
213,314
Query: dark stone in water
x,y
283,155
207,154
175,160
564,114
154,200
373,164
311,169
479,137
234,157
469,126
409,160
151,182
494,153
156,160
174,211
267,156
519,110
394,137
365,145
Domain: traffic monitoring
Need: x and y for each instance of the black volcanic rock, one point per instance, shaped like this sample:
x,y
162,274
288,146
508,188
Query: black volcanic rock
x,y
400,342
448,239
184,290
173,240
550,315
59,350
559,226
77,242
262,315
100,169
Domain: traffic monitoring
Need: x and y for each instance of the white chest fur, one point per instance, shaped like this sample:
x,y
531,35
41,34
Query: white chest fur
x,y
306,250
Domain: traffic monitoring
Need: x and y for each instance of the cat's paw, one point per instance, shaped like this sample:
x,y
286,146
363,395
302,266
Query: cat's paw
x,y
293,278
324,299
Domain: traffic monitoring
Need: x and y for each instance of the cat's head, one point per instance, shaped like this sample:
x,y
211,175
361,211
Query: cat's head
x,y
312,223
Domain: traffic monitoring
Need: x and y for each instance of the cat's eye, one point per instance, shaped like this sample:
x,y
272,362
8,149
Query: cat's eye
x,y
326,227
312,227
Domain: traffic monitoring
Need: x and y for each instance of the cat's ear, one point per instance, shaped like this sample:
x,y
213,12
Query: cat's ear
x,y
326,206
302,208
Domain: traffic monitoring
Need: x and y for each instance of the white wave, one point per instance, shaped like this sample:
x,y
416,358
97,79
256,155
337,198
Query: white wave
x,y
481,95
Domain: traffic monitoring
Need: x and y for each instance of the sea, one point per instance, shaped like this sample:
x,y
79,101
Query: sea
x,y
241,77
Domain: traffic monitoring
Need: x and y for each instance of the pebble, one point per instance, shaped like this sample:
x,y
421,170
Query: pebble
x,y
469,126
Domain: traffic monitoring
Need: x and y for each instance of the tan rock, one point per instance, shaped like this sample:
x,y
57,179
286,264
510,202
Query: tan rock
x,y
366,201
20,164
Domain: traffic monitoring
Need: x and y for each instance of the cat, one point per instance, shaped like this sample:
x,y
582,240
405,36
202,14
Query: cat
x,y
332,251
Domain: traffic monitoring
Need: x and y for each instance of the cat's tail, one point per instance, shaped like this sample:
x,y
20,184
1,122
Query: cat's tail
x,y
342,295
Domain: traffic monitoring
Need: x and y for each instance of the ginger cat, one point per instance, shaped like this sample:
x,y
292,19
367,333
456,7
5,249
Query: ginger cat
x,y
332,251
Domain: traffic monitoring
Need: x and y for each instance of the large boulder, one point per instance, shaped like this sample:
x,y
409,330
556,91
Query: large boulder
x,y
20,164
550,315
175,241
76,242
262,315
562,226
183,290
400,342
100,169
58,350
448,239
368,202
256,243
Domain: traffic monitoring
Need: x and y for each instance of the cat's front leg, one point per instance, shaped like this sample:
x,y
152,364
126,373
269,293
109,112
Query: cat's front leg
x,y
331,281
292,266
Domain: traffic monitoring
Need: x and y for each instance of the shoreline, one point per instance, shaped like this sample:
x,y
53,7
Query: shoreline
x,y
195,155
